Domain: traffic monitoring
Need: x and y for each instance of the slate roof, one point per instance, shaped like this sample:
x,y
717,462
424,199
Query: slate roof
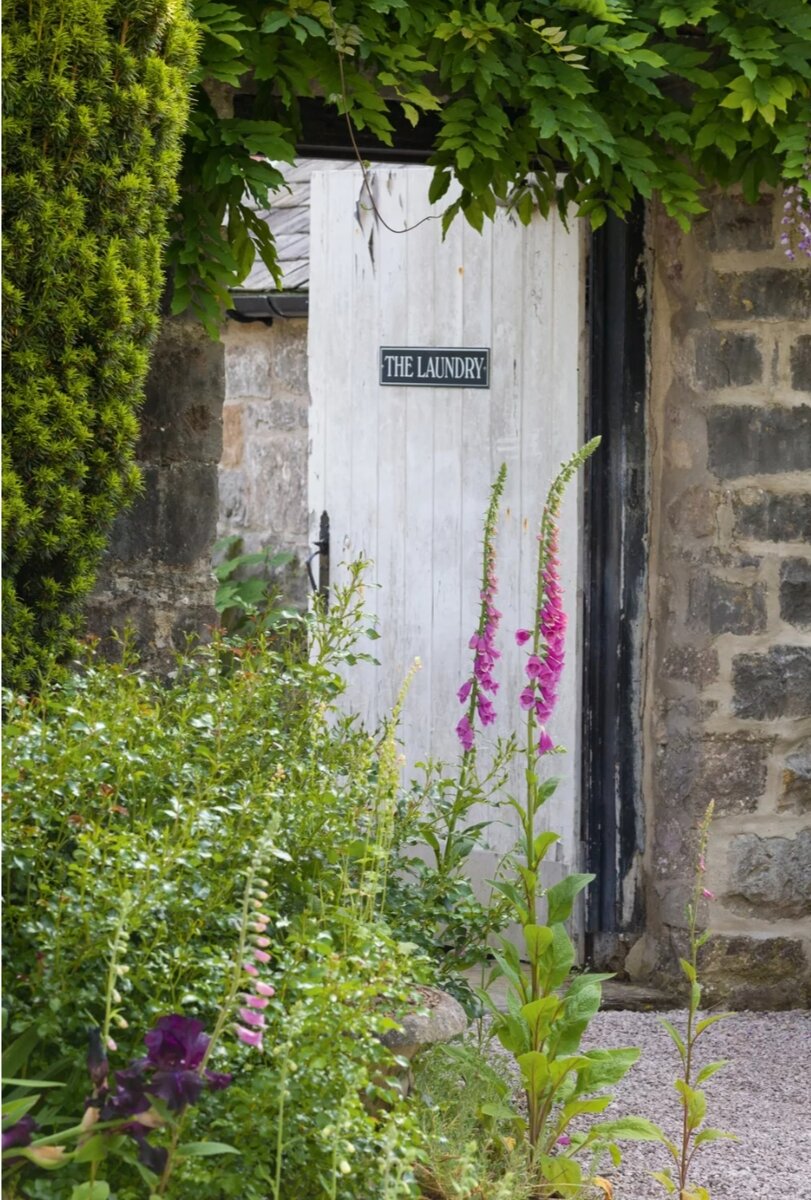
x,y
289,221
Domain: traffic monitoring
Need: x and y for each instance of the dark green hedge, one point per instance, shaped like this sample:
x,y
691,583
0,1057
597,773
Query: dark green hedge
x,y
95,103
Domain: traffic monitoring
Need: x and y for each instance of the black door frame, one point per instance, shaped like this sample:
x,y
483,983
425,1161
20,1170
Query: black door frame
x,y
616,551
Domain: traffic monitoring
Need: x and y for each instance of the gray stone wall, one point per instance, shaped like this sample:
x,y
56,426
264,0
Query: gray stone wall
x,y
156,576
728,710
263,469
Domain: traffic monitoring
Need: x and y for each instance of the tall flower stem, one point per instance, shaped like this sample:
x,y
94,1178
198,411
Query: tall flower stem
x,y
473,691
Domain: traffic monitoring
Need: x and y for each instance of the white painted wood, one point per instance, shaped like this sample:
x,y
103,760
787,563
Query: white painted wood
x,y
404,473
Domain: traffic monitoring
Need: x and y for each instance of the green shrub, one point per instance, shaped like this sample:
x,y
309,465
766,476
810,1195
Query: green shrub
x,y
126,793
95,102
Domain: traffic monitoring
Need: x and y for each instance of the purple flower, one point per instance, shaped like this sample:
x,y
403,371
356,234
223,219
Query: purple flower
x,y
154,1158
252,1018
176,1041
522,636
465,733
176,1049
487,714
464,691
19,1134
129,1098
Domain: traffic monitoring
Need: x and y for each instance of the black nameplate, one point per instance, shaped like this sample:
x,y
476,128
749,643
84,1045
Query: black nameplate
x,y
434,366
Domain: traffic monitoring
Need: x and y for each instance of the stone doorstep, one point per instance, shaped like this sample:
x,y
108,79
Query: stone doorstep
x,y
618,995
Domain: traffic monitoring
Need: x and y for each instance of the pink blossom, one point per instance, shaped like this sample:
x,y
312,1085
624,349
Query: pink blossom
x,y
465,733
255,1001
522,636
534,666
545,742
252,1018
527,698
707,894
261,956
261,941
702,866
251,1037
249,969
464,691
487,714
265,989
564,1140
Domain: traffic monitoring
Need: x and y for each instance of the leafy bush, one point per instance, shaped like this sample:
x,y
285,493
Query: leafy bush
x,y
95,102
124,794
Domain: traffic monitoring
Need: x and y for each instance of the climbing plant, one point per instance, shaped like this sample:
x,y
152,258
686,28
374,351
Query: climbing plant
x,y
95,102
576,104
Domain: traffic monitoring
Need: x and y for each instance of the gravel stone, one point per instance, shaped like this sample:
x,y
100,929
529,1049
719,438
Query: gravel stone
x,y
762,1096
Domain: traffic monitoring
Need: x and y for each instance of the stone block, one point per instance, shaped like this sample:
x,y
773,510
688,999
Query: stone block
x,y
290,362
772,685
135,533
248,363
796,779
691,664
748,440
800,359
193,625
769,876
232,435
278,485
281,413
772,517
727,768
795,592
732,224
189,509
722,606
233,499
181,417
777,293
725,360
109,617
694,512
761,974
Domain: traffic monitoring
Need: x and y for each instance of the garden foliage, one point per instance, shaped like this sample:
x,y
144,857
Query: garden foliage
x,y
137,805
580,105
95,102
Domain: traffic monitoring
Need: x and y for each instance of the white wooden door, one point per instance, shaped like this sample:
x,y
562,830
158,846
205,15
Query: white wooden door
x,y
404,473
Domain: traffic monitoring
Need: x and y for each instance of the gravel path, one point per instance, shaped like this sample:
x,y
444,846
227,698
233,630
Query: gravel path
x,y
764,1096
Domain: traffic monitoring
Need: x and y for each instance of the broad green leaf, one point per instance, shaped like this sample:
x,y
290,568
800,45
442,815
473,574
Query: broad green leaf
x,y
93,1150
204,1149
14,1109
667,1183
535,1070
606,1067
633,1129
91,1191
16,1055
537,938
560,897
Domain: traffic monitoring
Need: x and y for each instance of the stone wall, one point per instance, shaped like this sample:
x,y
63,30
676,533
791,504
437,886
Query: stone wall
x,y
263,469
728,710
156,576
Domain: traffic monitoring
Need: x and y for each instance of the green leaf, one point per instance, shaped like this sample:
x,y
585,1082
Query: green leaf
x,y
16,1055
664,1178
714,1135
535,1070
633,1129
93,1150
537,939
29,1083
204,1149
606,1067
706,1022
675,1037
560,898
91,1191
707,1072
14,1109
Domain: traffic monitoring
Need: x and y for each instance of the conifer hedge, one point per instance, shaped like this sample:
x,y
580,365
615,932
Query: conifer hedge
x,y
95,103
